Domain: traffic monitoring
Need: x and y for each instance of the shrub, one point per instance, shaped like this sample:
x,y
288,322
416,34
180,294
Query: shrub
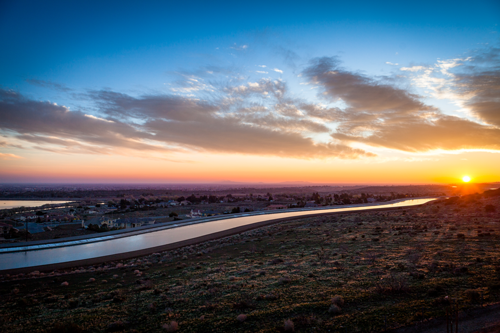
x,y
116,326
338,300
289,327
394,284
66,328
73,303
472,295
334,309
490,209
171,327
434,292
284,280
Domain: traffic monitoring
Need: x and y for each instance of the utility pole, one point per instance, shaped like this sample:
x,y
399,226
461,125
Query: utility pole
x,y
26,229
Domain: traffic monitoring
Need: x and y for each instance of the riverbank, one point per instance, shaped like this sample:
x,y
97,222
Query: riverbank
x,y
141,242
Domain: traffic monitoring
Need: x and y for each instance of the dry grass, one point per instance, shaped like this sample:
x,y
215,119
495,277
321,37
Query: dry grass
x,y
285,277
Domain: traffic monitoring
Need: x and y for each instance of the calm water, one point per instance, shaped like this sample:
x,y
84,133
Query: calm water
x,y
7,204
160,237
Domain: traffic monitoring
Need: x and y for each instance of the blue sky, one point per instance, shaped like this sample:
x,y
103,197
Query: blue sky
x,y
129,64
95,43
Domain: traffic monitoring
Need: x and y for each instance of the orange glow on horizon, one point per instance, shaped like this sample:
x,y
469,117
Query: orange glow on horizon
x,y
215,168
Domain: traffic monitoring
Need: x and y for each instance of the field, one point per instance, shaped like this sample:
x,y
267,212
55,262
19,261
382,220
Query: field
x,y
362,272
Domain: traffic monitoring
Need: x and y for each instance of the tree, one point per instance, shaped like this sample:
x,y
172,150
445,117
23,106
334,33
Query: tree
x,y
235,210
173,214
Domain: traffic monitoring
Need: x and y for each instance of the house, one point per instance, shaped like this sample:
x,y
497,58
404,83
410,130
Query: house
x,y
195,213
132,222
4,228
371,200
311,204
185,203
110,223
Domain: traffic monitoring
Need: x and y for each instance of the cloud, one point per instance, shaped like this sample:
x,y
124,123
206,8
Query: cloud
x,y
392,64
413,68
362,94
384,115
239,47
163,124
480,82
278,70
97,118
290,57
472,83
6,157
43,120
445,133
219,110
226,135
262,72
205,127
49,84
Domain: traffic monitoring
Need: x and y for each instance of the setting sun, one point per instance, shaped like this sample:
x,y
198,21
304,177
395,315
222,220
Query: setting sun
x,y
466,179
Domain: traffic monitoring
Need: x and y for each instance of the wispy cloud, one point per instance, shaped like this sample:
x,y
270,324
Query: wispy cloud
x,y
413,68
239,47
6,156
49,84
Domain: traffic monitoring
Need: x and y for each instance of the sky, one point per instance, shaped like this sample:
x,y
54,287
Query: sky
x,y
330,92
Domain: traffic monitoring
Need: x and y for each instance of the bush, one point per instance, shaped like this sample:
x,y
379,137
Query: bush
x,y
334,309
66,328
289,327
394,284
338,300
171,327
472,295
173,214
490,209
